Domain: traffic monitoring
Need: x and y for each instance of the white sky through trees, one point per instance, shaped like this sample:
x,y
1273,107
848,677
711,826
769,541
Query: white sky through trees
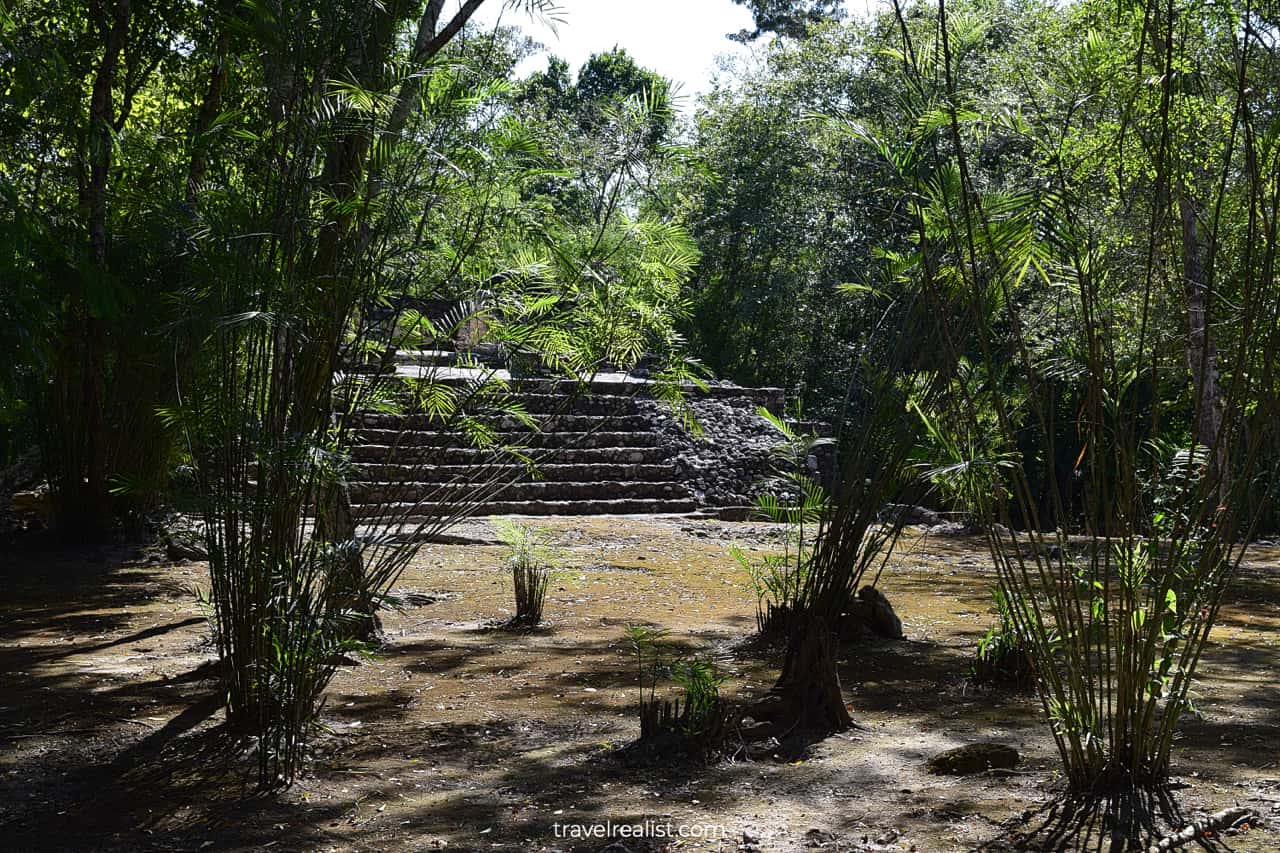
x,y
679,39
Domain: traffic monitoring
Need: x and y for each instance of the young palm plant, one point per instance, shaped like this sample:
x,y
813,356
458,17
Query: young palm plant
x,y
696,723
778,578
531,561
876,438
1118,615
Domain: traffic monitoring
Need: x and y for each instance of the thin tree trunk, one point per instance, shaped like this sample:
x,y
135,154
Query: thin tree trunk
x,y
344,177
1202,351
335,523
82,501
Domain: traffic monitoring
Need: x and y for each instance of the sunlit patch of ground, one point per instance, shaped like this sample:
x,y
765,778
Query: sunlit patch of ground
x,y
460,735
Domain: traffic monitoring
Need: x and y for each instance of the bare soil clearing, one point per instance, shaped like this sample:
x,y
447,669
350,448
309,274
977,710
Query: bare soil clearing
x,y
460,736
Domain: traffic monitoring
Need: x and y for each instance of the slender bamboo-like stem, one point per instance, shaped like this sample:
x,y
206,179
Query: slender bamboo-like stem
x,y
1117,618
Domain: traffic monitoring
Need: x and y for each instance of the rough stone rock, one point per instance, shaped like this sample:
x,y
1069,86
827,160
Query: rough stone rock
x,y
952,528
974,758
24,498
36,501
181,551
22,475
876,613
911,514
818,838
184,540
731,463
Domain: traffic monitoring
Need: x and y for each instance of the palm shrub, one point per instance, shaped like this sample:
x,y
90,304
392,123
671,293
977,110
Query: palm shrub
x,y
875,440
778,578
531,561
277,594
1118,617
699,723
272,311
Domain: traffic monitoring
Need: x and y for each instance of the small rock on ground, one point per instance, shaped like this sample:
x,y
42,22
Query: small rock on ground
x,y
974,758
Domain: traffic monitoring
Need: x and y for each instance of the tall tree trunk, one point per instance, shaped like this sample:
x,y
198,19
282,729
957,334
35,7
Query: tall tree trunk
x,y
82,507
101,121
209,109
346,173
1202,351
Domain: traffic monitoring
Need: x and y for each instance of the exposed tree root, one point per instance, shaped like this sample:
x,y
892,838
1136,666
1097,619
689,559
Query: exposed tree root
x,y
1115,819
1195,830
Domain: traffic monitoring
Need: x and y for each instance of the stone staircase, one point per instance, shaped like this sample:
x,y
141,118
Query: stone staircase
x,y
607,448
595,453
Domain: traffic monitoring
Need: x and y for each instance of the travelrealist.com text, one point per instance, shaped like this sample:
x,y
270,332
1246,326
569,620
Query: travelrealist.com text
x,y
644,829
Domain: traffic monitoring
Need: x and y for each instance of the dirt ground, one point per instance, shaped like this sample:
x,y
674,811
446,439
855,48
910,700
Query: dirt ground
x,y
457,736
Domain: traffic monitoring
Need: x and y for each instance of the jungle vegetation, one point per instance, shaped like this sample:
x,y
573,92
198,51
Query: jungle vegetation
x,y
1020,254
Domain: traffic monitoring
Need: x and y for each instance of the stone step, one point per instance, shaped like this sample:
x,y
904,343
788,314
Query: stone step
x,y
443,352
370,492
502,421
542,440
581,404
427,356
627,506
611,384
574,404
556,472
418,454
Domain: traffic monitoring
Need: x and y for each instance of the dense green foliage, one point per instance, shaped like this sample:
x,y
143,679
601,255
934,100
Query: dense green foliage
x,y
801,216
220,227
795,218
790,214
1020,253
1127,267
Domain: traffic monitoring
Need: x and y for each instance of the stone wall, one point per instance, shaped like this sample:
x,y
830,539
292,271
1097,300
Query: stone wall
x,y
732,462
